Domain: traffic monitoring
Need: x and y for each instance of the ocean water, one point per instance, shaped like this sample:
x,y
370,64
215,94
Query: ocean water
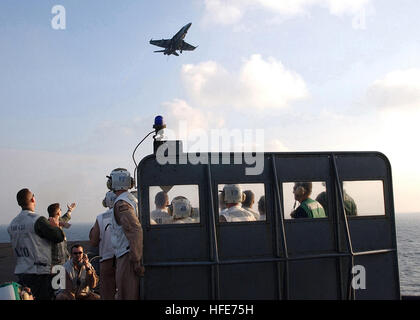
x,y
408,243
408,246
77,232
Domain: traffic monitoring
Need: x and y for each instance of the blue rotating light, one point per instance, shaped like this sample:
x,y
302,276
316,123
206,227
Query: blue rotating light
x,y
159,123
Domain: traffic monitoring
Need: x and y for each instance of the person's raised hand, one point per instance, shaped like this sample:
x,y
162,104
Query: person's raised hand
x,y
71,206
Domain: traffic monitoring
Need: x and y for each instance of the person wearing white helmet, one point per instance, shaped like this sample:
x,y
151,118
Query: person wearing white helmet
x,y
160,215
181,210
233,197
100,236
126,236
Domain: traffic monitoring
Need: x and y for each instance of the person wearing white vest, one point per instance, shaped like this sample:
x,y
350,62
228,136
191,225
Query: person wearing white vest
x,y
81,277
160,215
233,196
249,202
126,236
100,235
31,236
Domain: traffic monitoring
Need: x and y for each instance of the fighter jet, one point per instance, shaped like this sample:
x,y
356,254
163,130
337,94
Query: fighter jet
x,y
176,43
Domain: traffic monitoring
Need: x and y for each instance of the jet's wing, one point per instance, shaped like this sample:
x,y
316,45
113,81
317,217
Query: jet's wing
x,y
186,46
164,43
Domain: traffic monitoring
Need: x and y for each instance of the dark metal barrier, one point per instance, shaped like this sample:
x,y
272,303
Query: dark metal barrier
x,y
277,258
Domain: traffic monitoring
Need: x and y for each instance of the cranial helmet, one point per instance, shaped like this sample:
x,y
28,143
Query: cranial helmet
x,y
120,179
180,208
232,193
109,199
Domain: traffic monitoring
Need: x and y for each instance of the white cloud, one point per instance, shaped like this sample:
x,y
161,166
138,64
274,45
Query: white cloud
x,y
221,12
268,84
179,110
398,89
231,12
275,145
258,85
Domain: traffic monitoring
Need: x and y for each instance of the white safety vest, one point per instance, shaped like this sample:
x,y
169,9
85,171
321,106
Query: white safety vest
x,y
237,214
120,242
255,214
33,253
184,220
106,251
76,275
161,216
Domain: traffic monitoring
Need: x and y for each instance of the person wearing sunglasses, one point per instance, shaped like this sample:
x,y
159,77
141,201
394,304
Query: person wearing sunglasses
x,y
81,277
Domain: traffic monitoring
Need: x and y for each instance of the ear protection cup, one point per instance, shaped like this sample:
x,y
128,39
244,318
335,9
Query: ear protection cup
x,y
104,203
109,183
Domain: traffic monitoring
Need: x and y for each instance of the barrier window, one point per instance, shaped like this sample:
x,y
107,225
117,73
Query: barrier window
x,y
363,198
174,204
304,200
242,202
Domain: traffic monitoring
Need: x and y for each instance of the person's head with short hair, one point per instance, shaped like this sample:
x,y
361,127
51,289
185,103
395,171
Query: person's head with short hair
x,y
26,199
249,199
302,190
161,200
54,210
261,205
77,252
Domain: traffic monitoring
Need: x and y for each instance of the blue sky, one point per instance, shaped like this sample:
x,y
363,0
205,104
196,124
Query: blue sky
x,y
75,102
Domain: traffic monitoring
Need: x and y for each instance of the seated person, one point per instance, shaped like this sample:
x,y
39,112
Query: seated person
x,y
233,196
308,207
249,202
181,210
160,215
261,208
81,277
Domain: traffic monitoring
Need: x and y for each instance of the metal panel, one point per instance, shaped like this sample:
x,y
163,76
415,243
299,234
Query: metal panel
x,y
273,259
315,278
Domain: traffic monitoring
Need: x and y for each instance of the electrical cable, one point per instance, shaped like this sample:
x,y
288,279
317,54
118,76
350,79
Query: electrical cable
x,y
135,149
